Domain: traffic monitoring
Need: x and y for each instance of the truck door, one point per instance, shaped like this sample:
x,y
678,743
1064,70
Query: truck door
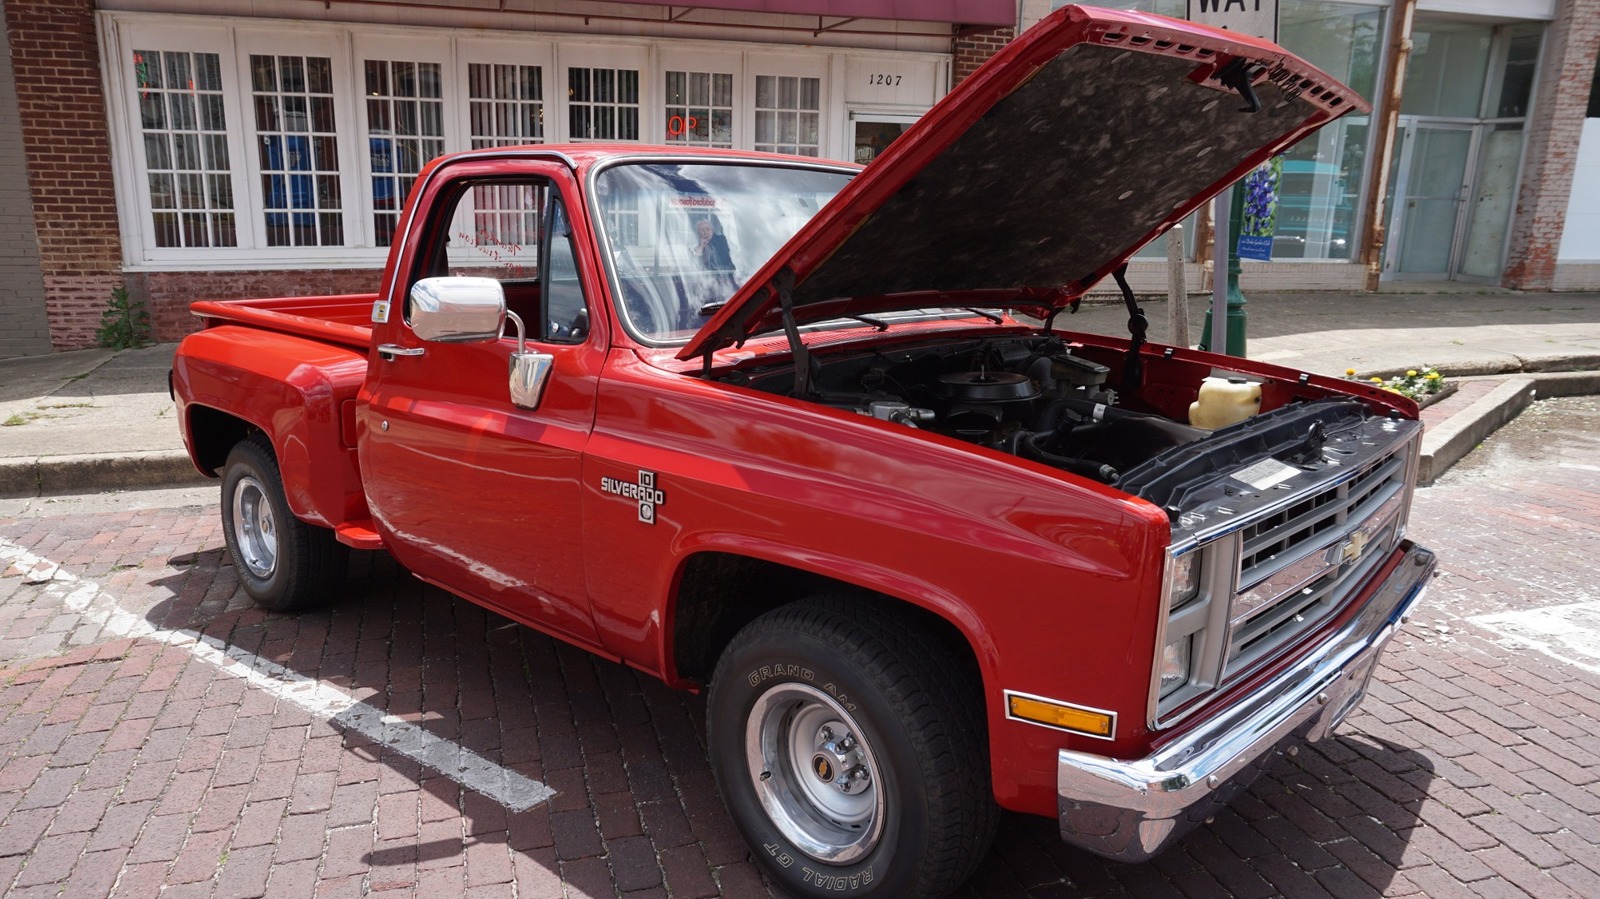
x,y
470,491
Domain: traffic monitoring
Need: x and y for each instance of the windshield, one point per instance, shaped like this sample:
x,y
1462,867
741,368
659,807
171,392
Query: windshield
x,y
683,237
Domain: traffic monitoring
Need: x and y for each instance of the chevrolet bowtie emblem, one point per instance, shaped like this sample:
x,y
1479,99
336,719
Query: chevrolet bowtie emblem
x,y
1350,549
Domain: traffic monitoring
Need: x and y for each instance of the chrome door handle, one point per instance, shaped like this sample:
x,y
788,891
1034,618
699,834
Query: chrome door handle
x,y
391,350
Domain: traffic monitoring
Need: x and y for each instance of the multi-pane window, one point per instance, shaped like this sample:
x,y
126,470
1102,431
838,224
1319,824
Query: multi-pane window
x,y
602,104
299,152
506,103
699,107
405,129
787,112
185,147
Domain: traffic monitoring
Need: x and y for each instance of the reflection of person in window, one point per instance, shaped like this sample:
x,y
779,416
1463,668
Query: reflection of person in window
x,y
712,249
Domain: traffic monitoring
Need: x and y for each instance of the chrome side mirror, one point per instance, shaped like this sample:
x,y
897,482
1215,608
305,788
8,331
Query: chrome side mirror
x,y
458,309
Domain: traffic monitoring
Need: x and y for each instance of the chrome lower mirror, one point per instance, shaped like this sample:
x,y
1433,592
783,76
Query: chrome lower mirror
x,y
529,371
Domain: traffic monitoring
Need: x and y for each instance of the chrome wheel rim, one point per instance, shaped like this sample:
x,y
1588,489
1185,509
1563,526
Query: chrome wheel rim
x,y
255,531
815,773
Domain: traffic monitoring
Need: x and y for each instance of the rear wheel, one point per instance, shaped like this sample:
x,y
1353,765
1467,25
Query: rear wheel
x,y
851,752
284,563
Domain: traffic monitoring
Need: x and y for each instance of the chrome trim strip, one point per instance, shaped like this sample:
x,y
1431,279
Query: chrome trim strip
x,y
1129,810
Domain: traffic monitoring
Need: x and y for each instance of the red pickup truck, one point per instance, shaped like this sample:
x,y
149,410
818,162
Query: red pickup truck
x,y
814,438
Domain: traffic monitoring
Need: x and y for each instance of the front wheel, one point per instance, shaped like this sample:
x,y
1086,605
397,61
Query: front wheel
x,y
851,752
284,563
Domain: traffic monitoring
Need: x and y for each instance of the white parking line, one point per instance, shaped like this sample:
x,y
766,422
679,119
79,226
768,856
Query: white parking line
x,y
473,771
1569,633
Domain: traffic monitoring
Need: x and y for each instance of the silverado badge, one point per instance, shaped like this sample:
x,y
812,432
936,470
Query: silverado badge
x,y
644,490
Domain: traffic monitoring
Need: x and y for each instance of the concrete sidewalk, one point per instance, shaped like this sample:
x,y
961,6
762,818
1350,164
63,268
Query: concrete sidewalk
x,y
101,420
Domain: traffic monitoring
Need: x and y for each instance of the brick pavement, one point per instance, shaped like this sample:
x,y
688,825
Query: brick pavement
x,y
131,766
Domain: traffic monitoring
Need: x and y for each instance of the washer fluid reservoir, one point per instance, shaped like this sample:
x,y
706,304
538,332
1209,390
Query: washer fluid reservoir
x,y
1224,401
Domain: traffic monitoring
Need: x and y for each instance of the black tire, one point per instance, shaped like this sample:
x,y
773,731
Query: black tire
x,y
285,564
921,815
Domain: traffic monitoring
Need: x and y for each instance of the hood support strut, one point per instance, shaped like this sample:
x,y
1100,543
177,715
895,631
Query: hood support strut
x,y
1132,366
784,285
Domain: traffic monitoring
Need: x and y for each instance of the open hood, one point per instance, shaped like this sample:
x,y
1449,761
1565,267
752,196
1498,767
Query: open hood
x,y
1046,169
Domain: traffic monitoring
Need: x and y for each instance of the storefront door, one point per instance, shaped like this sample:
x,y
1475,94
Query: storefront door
x,y
1432,181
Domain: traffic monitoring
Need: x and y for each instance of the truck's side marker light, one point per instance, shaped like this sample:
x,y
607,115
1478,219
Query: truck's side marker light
x,y
1059,715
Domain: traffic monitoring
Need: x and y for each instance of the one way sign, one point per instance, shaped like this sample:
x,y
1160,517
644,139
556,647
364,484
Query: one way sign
x,y
1258,18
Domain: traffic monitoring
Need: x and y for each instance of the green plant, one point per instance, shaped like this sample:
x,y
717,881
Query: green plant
x,y
1416,383
125,323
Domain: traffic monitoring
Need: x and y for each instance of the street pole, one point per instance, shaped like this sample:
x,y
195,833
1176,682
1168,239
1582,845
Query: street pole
x,y
1225,320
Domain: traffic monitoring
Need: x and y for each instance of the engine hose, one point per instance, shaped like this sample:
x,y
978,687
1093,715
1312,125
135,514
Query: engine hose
x,y
1027,446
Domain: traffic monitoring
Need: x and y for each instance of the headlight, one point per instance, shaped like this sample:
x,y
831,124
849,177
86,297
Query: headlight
x,y
1185,580
1175,664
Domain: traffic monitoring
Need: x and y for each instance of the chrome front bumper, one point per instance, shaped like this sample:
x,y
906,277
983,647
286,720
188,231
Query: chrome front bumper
x,y
1131,810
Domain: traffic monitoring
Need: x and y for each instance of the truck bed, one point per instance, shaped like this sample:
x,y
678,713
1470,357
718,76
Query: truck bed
x,y
344,320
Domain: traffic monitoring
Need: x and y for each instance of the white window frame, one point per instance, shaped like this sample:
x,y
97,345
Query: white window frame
x,y
398,48
133,180
679,59
350,185
783,65
505,52
607,56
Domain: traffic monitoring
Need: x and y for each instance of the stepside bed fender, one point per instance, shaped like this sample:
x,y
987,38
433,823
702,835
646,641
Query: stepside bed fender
x,y
301,393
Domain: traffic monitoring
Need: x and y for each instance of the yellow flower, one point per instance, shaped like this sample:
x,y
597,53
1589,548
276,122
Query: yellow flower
x,y
1434,376
1411,373
1349,372
1377,380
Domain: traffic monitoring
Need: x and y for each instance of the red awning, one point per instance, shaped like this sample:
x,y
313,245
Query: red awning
x,y
966,12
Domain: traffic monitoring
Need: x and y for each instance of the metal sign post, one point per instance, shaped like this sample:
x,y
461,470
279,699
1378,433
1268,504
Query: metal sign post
x,y
1226,320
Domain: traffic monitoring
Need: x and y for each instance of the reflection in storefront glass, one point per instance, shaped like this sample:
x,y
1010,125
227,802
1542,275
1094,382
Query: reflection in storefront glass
x,y
1321,189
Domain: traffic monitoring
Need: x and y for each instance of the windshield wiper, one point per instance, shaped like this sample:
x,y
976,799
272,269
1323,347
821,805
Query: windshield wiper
x,y
995,317
710,309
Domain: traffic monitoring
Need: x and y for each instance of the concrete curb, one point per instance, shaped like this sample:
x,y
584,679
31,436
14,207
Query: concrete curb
x,y
50,475
1446,444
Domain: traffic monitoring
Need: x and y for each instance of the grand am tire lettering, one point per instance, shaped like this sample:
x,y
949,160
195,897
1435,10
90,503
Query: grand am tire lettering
x,y
836,882
768,672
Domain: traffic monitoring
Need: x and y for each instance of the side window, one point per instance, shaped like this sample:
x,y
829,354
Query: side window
x,y
566,311
493,228
516,231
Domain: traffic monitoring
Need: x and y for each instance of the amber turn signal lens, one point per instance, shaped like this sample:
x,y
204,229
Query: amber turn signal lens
x,y
1097,724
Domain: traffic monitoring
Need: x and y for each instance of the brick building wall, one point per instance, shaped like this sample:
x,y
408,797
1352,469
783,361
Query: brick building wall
x,y
973,48
1562,97
56,59
24,330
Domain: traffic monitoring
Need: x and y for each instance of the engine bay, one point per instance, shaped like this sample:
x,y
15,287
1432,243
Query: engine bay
x,y
1085,408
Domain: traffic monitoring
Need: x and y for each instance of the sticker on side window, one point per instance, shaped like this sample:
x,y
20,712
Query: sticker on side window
x,y
380,312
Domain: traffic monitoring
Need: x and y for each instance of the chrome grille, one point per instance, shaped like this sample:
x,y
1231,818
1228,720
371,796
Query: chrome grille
x,y
1297,566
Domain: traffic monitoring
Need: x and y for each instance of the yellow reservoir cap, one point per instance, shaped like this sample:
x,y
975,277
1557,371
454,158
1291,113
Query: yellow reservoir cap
x,y
1066,717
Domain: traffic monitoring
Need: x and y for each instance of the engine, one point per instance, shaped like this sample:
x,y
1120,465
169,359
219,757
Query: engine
x,y
1029,396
